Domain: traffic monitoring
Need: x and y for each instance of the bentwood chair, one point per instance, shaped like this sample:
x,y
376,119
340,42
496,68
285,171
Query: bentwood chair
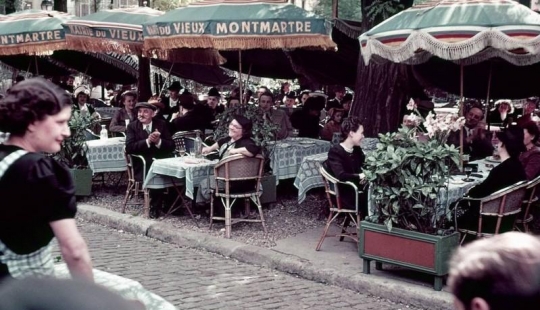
x,y
336,209
525,217
237,177
503,205
134,187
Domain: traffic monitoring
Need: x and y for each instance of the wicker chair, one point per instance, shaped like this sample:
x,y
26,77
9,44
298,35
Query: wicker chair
x,y
234,169
525,217
336,209
504,203
134,187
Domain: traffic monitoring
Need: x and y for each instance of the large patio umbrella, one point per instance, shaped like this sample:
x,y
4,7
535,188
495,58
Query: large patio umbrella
x,y
117,30
237,25
39,65
467,32
32,32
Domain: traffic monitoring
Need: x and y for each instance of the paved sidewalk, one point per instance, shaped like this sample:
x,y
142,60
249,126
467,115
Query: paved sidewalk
x,y
337,263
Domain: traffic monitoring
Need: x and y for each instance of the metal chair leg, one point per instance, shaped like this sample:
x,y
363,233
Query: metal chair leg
x,y
331,218
228,222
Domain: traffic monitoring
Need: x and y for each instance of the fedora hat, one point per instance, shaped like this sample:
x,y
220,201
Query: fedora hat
x,y
145,105
175,86
213,92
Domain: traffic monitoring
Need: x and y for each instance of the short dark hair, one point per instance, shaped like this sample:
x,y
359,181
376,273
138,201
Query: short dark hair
x,y
503,270
533,129
30,101
246,124
512,139
268,94
350,124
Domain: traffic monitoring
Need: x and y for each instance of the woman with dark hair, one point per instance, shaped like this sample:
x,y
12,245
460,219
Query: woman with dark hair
x,y
345,161
238,142
530,159
333,125
508,172
36,113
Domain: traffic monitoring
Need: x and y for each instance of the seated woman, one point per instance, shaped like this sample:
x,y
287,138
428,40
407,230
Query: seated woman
x,y
508,172
238,142
333,125
345,161
530,159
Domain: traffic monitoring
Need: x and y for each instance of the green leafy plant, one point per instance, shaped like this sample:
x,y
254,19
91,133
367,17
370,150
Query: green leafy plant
x,y
74,148
407,176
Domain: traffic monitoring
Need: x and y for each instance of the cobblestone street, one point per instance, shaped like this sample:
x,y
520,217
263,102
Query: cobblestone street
x,y
192,279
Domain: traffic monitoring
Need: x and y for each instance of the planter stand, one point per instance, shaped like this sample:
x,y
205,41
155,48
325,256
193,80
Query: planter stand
x,y
417,251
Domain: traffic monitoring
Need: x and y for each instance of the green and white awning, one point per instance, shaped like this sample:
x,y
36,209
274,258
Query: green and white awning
x,y
457,29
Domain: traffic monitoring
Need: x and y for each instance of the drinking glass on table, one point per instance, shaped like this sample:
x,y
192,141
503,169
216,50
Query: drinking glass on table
x,y
465,159
468,171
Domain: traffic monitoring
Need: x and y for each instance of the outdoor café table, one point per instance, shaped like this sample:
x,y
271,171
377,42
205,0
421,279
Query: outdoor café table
x,y
127,288
170,172
106,155
308,176
287,155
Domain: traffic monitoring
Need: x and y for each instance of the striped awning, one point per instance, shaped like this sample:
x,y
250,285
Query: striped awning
x,y
237,25
32,32
118,30
455,30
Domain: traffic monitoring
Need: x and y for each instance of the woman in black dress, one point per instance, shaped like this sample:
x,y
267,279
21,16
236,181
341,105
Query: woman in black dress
x,y
38,194
345,161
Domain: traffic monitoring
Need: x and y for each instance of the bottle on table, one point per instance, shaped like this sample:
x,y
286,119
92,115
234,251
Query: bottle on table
x,y
103,134
197,145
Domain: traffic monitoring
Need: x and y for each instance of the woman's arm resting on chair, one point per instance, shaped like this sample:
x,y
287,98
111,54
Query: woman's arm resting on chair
x,y
209,149
241,150
73,248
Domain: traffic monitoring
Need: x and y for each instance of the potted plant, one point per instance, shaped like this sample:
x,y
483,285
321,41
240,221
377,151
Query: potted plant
x,y
262,133
73,152
407,173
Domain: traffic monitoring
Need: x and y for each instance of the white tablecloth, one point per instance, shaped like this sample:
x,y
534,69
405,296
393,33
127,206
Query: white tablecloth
x,y
170,172
107,112
127,288
106,155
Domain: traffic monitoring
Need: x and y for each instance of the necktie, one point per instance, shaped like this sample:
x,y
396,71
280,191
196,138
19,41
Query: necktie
x,y
147,129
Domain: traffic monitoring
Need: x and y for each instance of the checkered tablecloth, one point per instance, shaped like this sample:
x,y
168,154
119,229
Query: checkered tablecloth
x,y
308,176
288,154
173,171
106,155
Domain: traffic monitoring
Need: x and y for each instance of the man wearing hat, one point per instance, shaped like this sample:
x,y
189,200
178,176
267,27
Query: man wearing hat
x,y
188,119
289,103
150,138
213,108
335,103
172,102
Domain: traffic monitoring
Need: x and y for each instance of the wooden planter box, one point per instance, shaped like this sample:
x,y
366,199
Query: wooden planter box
x,y
417,251
82,178
268,183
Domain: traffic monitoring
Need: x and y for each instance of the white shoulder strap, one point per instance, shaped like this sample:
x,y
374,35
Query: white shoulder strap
x,y
10,159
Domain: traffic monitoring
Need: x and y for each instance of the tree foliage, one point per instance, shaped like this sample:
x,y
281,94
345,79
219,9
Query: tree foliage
x,y
347,9
167,5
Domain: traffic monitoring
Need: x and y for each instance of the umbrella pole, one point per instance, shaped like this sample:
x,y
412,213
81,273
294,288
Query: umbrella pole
x,y
487,96
240,79
461,112
28,70
249,75
35,61
166,80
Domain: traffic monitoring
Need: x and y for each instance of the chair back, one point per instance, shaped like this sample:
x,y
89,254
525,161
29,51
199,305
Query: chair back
x,y
129,164
532,192
238,168
179,139
332,189
506,201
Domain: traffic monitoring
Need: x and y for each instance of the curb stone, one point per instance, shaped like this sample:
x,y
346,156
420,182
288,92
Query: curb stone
x,y
393,290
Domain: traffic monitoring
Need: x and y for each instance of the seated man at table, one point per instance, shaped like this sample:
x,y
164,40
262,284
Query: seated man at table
x,y
306,120
476,139
150,138
127,113
278,117
189,118
508,172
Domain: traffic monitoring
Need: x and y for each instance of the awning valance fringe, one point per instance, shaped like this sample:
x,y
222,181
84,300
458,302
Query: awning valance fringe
x,y
102,45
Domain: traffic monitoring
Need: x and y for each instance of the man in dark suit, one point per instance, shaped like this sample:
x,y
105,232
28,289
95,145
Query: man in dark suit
x,y
150,138
172,102
190,118
476,139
